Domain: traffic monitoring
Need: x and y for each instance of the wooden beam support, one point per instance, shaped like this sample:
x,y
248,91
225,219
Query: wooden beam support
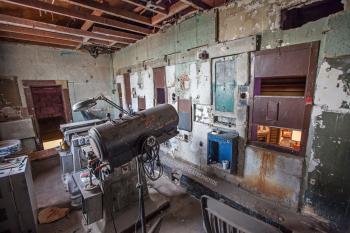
x,y
39,39
88,24
38,5
15,21
162,10
107,9
174,9
196,4
108,32
35,32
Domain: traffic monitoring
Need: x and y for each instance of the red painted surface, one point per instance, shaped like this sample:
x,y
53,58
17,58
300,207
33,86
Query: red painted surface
x,y
48,102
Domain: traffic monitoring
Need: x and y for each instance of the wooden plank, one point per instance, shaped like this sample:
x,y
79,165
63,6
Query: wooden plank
x,y
197,4
38,5
109,32
88,24
161,10
43,154
127,89
11,20
34,32
66,105
174,9
18,36
107,9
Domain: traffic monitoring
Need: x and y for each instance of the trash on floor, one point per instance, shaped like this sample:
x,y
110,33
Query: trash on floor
x,y
52,214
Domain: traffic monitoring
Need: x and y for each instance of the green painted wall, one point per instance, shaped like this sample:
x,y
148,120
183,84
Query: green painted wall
x,y
327,184
196,31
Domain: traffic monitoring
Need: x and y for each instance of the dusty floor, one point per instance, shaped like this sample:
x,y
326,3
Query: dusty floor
x,y
183,215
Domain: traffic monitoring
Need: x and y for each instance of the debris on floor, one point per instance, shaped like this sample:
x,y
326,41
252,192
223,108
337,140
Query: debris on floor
x,y
52,214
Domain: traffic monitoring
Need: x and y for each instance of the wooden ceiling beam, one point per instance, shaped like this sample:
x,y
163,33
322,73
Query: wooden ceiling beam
x,y
54,35
196,4
35,32
38,5
39,39
107,9
162,10
173,9
108,32
88,24
11,20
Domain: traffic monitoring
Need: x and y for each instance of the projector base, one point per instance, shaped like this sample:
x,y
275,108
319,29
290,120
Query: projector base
x,y
126,219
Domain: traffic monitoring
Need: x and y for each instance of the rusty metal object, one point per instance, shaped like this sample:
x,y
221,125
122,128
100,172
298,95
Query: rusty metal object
x,y
119,141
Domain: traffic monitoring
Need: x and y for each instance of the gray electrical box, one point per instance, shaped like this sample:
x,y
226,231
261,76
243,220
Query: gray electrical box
x,y
18,210
91,200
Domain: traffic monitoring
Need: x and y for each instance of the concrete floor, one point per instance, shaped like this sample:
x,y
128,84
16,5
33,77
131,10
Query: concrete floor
x,y
183,215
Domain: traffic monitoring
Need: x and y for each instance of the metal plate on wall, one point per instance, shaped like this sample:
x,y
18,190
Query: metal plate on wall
x,y
185,114
224,86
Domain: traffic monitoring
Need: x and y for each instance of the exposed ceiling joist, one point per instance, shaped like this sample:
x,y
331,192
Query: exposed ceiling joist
x,y
38,39
104,31
35,32
160,10
107,9
11,20
38,5
197,4
88,24
173,9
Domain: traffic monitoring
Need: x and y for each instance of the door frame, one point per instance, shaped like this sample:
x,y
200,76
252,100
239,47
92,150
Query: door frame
x,y
28,84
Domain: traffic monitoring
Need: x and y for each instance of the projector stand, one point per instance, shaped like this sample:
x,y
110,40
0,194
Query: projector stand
x,y
139,186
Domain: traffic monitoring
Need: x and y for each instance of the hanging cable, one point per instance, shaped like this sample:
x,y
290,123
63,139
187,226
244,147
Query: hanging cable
x,y
150,159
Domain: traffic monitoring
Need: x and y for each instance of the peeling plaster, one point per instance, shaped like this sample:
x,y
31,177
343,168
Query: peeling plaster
x,y
332,87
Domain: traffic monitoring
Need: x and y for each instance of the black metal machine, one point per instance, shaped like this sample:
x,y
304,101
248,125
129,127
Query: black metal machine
x,y
117,142
121,140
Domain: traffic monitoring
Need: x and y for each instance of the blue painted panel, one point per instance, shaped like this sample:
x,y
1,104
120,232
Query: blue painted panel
x,y
223,146
225,151
224,86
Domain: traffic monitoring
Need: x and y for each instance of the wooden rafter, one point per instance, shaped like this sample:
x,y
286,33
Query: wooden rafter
x,y
35,32
107,9
38,5
104,31
11,20
160,10
54,35
88,24
197,4
173,9
38,39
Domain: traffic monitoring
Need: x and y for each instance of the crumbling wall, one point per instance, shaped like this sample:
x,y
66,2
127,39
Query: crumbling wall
x,y
328,181
280,177
87,77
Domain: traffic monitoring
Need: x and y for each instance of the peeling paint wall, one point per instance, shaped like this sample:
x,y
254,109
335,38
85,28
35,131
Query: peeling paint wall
x,y
198,30
87,77
249,17
328,184
290,180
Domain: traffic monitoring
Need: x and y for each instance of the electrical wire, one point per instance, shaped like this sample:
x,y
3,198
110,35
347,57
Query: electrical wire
x,y
112,213
150,159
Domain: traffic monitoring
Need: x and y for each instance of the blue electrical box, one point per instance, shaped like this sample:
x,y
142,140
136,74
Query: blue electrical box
x,y
223,146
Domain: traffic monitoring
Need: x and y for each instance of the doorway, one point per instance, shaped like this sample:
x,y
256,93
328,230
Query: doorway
x,y
49,112
48,103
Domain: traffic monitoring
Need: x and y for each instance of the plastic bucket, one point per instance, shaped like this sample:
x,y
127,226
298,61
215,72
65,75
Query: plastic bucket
x,y
225,164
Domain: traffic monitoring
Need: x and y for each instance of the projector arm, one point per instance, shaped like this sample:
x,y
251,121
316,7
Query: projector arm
x,y
102,97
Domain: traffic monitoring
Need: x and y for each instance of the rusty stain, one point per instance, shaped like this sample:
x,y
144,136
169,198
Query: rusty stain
x,y
262,184
149,121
